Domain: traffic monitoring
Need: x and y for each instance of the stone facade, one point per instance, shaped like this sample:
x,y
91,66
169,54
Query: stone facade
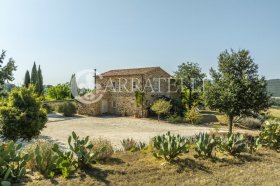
x,y
120,86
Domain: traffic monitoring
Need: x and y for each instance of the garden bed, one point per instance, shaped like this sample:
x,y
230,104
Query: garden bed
x,y
127,168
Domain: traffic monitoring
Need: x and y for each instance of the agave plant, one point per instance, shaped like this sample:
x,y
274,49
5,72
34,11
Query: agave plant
x,y
205,144
253,144
169,146
234,144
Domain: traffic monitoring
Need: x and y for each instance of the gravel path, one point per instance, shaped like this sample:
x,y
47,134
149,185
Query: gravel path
x,y
113,128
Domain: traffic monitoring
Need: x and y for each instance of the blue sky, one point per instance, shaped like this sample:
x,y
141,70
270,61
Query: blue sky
x,y
65,36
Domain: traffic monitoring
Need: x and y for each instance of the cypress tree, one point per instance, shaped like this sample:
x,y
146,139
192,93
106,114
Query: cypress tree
x,y
27,79
34,75
40,81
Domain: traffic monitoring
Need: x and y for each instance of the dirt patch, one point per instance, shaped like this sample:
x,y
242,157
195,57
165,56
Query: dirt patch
x,y
116,128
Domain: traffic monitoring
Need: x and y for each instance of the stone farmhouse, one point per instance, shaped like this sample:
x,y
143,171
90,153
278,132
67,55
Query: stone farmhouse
x,y
129,92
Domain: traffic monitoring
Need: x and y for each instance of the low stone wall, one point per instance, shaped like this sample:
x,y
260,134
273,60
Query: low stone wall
x,y
88,109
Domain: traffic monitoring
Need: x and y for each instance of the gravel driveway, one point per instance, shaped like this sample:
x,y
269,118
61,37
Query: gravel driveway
x,y
113,128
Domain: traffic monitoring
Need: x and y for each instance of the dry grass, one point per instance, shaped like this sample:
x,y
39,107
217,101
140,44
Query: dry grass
x,y
275,112
126,168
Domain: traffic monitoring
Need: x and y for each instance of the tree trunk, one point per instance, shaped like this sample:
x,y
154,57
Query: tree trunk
x,y
190,98
158,117
230,124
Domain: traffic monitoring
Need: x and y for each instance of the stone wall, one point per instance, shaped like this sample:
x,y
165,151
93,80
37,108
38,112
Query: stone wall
x,y
121,100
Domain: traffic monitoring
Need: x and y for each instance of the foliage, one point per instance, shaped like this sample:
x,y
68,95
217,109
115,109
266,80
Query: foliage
x,y
193,116
65,163
234,144
40,82
42,158
59,92
236,88
275,101
169,146
129,144
34,74
27,79
270,134
21,115
68,109
192,77
175,118
82,148
12,162
205,144
161,107
102,148
253,144
47,107
139,97
6,71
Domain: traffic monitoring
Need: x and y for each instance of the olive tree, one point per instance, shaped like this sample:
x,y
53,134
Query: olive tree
x,y
161,107
236,88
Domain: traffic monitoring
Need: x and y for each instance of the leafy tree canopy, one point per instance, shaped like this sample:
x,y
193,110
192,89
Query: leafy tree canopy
x,y
59,92
161,107
191,77
236,88
6,71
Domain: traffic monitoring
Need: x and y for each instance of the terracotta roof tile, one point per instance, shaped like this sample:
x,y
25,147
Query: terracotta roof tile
x,y
127,72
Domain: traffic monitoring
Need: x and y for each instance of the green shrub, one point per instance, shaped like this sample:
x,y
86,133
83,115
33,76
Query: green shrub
x,y
234,144
174,118
270,135
48,108
65,162
129,144
169,146
21,115
253,144
67,109
205,144
161,107
42,157
82,148
12,163
193,116
102,148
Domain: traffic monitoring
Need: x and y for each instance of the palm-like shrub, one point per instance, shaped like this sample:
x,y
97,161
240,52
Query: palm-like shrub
x,y
169,146
270,135
205,144
21,115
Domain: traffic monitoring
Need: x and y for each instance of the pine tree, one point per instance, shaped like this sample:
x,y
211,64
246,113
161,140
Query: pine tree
x,y
40,81
27,79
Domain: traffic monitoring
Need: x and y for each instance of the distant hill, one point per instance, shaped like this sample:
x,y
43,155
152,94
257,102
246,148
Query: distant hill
x,y
273,86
